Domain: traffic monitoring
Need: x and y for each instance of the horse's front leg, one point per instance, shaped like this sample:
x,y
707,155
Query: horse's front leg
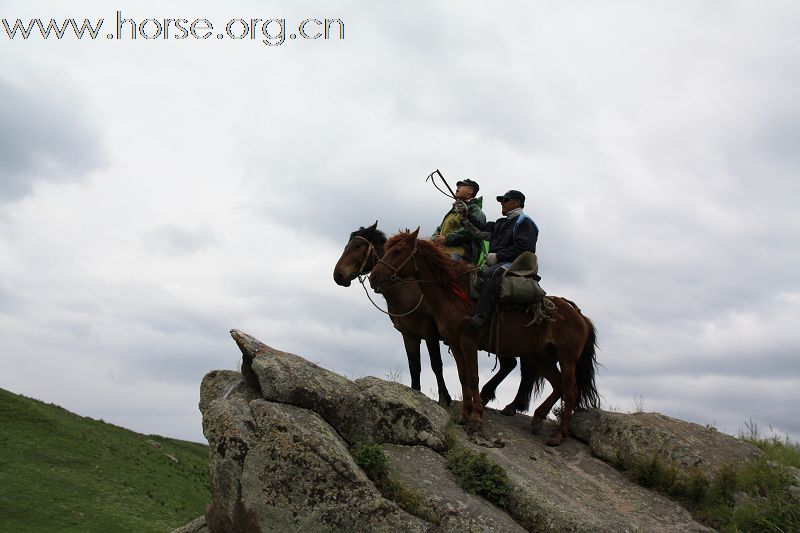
x,y
414,365
436,365
466,404
469,352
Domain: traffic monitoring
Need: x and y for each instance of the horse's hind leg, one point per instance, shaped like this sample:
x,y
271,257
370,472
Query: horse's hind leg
x,y
570,386
549,371
414,364
522,400
436,365
507,364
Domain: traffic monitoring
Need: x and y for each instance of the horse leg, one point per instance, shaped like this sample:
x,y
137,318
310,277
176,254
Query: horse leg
x,y
507,364
436,365
522,400
570,387
466,404
553,376
469,352
414,364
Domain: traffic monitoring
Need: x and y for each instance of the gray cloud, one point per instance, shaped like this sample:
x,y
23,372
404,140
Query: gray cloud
x,y
46,136
177,240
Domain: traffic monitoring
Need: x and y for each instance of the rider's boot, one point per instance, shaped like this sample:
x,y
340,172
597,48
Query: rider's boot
x,y
489,295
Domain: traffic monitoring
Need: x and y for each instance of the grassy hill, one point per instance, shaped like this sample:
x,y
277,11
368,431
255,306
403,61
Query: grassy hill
x,y
60,471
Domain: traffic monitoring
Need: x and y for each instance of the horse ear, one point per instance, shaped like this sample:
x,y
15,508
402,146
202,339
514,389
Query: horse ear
x,y
374,226
415,233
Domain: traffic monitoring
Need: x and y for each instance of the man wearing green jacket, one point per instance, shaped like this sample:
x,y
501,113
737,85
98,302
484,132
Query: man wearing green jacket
x,y
451,235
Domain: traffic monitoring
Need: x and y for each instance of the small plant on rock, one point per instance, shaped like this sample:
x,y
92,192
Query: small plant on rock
x,y
372,459
477,474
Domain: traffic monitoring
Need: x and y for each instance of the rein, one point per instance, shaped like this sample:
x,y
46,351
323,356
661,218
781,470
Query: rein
x,y
362,277
395,270
454,288
421,297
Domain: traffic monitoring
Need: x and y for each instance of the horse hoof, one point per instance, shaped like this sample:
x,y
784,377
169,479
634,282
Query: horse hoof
x,y
536,426
509,410
555,439
445,400
463,420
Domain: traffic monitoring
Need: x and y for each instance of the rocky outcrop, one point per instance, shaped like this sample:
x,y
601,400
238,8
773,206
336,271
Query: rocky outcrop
x,y
367,409
639,438
280,439
567,488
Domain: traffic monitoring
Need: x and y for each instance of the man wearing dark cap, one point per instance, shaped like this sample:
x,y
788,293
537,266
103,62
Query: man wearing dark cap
x,y
451,235
508,237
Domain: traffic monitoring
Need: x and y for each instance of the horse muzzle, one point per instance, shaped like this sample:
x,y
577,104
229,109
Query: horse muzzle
x,y
376,282
341,280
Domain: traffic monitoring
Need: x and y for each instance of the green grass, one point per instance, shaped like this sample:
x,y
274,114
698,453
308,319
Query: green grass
x,y
63,472
753,496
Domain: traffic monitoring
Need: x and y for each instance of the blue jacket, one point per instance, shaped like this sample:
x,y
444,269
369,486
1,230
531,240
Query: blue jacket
x,y
510,236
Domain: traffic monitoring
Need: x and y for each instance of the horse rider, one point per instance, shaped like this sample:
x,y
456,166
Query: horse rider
x,y
508,237
451,235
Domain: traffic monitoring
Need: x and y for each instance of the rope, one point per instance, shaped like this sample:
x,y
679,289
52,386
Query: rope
x,y
361,281
546,311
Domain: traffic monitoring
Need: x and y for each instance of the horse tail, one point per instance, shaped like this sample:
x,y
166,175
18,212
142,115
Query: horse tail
x,y
530,386
585,371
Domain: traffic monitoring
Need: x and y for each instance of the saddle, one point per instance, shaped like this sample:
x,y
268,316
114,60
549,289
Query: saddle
x,y
520,283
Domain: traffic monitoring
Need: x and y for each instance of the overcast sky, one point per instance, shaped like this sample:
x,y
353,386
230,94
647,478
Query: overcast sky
x,y
156,193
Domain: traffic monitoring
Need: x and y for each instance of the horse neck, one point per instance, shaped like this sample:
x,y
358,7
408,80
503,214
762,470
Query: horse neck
x,y
401,294
440,296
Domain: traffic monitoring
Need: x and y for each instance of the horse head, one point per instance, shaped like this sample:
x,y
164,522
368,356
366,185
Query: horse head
x,y
397,261
362,251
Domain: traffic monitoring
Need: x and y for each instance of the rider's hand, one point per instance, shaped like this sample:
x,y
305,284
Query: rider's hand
x,y
491,259
460,207
438,241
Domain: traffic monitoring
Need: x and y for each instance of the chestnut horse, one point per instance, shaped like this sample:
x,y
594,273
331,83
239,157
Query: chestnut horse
x,y
568,342
360,255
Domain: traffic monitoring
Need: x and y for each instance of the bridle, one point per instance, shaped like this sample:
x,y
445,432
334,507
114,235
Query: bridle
x,y
362,275
395,270
370,251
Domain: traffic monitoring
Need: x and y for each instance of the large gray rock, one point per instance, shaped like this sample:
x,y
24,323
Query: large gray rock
x,y
279,458
277,467
390,412
440,495
566,489
630,439
222,384
367,409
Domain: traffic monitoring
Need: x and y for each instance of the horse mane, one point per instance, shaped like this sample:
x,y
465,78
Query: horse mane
x,y
444,269
372,234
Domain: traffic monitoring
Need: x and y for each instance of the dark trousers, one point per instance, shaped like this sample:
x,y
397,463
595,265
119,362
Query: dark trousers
x,y
490,291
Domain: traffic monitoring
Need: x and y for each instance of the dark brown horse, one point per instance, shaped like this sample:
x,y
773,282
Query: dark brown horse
x,y
568,343
360,255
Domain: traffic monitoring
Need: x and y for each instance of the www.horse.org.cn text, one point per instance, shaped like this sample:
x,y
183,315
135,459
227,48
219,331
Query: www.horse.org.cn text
x,y
269,31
